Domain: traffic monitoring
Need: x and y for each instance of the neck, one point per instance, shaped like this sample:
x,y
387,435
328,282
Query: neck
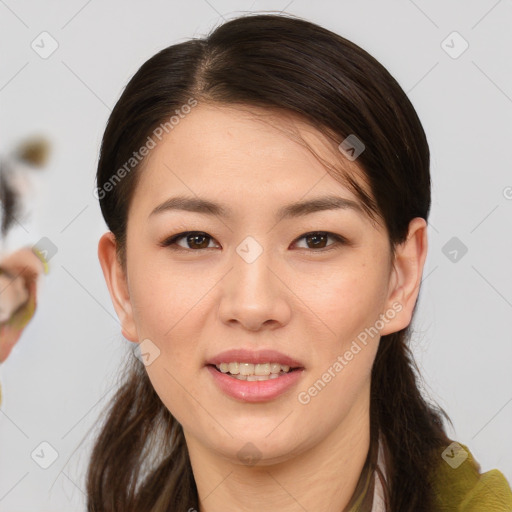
x,y
322,478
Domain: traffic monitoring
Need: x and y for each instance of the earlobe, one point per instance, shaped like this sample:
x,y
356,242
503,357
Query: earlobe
x,y
116,281
406,276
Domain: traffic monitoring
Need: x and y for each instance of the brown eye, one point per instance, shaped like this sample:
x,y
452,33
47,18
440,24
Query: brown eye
x,y
318,240
194,240
198,241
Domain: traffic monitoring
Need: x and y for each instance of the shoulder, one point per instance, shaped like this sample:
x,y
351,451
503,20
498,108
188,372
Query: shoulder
x,y
461,487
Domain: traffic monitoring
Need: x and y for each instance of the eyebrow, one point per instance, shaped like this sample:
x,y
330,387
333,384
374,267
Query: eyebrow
x,y
297,209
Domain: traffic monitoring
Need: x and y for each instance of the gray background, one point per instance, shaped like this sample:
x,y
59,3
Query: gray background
x,y
64,368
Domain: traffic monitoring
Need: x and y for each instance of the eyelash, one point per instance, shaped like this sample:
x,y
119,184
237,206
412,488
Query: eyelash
x,y
170,242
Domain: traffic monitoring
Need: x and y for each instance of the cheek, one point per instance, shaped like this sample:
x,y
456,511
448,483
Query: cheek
x,y
163,296
168,309
349,302
349,299
165,314
349,305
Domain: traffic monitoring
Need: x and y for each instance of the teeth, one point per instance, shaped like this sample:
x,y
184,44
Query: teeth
x,y
252,372
246,368
275,367
262,369
256,377
262,377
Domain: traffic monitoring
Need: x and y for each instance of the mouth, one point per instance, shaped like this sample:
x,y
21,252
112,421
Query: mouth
x,y
255,375
254,372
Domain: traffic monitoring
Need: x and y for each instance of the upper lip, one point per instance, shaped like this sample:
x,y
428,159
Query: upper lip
x,y
240,355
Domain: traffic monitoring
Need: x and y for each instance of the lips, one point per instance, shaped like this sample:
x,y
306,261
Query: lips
x,y
253,389
254,357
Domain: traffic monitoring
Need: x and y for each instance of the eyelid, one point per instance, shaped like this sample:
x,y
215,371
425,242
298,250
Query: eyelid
x,y
338,240
172,241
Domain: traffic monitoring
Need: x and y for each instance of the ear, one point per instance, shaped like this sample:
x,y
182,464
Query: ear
x,y
117,284
405,278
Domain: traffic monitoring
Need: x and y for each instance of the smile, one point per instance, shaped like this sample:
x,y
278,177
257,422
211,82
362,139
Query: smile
x,y
253,372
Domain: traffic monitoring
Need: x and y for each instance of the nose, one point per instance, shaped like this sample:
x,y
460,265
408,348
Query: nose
x,y
252,294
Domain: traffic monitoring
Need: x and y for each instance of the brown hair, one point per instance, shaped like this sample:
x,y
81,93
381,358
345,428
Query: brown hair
x,y
140,460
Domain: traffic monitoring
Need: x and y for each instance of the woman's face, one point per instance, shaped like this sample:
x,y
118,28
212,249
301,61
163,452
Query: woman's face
x,y
255,282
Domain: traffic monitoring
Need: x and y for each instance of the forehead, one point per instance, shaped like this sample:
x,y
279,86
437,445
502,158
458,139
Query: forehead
x,y
242,152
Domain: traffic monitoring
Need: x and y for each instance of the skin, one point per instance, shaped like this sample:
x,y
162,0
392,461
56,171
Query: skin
x,y
301,300
18,291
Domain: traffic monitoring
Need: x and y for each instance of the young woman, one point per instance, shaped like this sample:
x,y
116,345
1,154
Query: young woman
x,y
267,191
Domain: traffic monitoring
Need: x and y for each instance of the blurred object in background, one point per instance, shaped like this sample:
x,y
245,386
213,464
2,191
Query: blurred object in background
x,y
18,295
19,268
13,295
15,183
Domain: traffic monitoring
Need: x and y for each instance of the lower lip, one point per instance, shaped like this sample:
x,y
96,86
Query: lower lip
x,y
257,390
